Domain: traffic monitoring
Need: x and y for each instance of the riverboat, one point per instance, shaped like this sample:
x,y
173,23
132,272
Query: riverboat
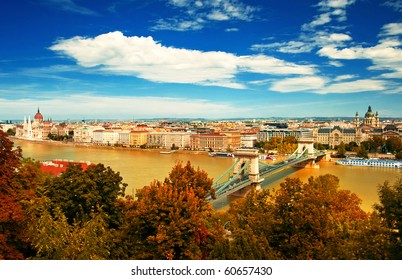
x,y
167,152
214,154
388,163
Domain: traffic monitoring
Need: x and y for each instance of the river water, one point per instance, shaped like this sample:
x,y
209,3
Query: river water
x,y
139,167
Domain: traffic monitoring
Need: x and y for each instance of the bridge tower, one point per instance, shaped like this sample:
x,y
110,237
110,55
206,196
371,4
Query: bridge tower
x,y
250,157
304,143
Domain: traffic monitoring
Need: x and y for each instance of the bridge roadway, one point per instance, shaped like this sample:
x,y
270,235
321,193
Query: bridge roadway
x,y
233,184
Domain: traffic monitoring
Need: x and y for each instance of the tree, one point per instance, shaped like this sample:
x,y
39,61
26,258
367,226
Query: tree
x,y
80,193
362,151
11,211
393,144
351,147
286,148
341,149
249,221
54,238
390,210
314,219
290,139
11,131
171,219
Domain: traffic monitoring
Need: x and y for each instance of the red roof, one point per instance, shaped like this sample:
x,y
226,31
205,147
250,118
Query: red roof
x,y
55,167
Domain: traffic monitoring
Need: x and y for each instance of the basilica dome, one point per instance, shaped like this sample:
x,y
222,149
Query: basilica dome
x,y
369,113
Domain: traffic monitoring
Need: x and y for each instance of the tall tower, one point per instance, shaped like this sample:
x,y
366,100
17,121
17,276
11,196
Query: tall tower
x,y
357,120
376,120
29,128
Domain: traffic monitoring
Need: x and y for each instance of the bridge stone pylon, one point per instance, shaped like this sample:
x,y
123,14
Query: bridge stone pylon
x,y
306,143
250,157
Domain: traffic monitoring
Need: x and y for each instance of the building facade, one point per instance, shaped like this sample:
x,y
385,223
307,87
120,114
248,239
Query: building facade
x,y
333,136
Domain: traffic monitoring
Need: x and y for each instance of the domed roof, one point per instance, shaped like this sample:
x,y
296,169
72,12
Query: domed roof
x,y
38,116
369,113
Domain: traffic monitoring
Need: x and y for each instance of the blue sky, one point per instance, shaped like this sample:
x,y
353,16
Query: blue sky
x,y
138,59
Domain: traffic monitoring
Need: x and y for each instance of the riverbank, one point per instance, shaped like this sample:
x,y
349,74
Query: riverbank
x,y
103,147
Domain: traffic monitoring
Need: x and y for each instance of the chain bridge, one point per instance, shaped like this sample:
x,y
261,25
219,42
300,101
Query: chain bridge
x,y
249,171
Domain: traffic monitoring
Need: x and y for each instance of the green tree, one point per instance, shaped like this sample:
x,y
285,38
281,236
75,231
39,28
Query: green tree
x,y
341,149
362,151
393,144
377,142
11,131
390,210
54,238
80,193
351,147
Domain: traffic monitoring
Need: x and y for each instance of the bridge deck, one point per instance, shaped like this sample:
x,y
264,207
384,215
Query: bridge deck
x,y
236,182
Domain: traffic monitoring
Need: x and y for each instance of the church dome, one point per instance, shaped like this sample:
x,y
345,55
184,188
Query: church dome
x,y
369,113
38,116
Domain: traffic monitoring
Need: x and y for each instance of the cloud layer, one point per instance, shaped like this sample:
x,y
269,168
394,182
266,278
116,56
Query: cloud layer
x,y
145,58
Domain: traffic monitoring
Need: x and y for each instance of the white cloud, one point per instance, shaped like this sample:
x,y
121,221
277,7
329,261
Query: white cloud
x,y
344,77
202,12
335,37
285,47
387,55
143,57
308,83
320,85
335,4
331,10
335,63
270,65
354,86
392,29
234,29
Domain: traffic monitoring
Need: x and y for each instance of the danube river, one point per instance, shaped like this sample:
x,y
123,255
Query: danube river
x,y
139,167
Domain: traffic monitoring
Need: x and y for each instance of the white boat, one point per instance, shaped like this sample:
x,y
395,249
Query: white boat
x,y
167,152
388,163
221,154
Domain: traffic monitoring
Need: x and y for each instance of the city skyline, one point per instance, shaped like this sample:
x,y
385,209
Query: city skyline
x,y
212,59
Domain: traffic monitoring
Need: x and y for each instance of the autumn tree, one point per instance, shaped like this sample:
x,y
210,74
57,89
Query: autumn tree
x,y
17,179
247,224
393,144
80,193
390,211
171,219
312,220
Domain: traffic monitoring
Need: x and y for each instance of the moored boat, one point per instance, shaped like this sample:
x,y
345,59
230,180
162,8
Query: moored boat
x,y
388,163
221,154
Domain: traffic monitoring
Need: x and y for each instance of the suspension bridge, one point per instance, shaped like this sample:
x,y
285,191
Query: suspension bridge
x,y
249,171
